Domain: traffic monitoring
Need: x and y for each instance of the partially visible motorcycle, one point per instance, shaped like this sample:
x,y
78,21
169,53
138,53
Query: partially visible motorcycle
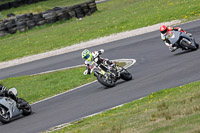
x,y
9,109
108,75
182,40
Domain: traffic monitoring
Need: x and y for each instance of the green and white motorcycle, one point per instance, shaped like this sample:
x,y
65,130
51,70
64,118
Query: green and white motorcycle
x,y
108,75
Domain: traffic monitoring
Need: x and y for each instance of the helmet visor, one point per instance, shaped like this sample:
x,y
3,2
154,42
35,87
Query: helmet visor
x,y
87,56
164,31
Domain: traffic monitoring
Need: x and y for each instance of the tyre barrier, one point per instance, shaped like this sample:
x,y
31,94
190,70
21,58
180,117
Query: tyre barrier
x,y
24,22
17,3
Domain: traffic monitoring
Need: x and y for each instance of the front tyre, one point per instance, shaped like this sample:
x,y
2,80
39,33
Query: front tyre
x,y
4,115
26,110
105,81
125,75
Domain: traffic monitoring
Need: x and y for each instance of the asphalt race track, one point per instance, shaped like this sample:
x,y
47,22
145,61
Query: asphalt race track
x,y
156,68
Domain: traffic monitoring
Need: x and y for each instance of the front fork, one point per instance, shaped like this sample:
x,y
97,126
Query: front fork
x,y
2,110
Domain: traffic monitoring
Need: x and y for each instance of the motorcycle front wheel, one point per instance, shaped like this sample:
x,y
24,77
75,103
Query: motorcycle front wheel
x,y
4,115
105,81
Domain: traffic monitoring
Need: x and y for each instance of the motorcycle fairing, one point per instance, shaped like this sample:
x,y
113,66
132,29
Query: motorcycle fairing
x,y
173,36
10,104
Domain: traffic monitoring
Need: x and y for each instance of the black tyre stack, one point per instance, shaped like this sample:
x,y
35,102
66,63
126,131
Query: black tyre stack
x,y
62,14
4,6
11,26
21,22
50,16
29,21
92,5
71,11
17,3
3,30
78,11
39,20
14,4
86,9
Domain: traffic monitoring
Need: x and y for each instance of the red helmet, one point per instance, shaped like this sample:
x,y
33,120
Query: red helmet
x,y
163,29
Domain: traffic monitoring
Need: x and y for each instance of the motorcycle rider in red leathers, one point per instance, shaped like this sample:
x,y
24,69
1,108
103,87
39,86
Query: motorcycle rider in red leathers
x,y
164,31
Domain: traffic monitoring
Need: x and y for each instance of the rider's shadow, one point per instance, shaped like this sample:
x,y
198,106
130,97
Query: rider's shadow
x,y
117,83
184,52
16,118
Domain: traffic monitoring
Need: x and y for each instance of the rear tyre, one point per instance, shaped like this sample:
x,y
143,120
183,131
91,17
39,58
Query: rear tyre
x,y
189,46
197,45
108,83
4,115
125,75
27,110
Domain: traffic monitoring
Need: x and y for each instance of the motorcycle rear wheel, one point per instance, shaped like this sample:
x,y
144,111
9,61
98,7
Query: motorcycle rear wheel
x,y
197,45
125,75
105,82
27,110
185,44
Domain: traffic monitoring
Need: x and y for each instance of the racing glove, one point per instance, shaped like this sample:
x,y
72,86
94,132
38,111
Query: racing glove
x,y
172,49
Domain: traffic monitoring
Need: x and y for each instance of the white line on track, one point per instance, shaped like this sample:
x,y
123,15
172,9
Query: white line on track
x,y
129,63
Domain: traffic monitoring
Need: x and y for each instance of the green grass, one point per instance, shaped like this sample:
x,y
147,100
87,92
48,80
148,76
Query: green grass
x,y
174,110
112,17
38,87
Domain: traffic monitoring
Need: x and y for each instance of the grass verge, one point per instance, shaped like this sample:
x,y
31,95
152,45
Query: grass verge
x,y
38,87
113,17
174,110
